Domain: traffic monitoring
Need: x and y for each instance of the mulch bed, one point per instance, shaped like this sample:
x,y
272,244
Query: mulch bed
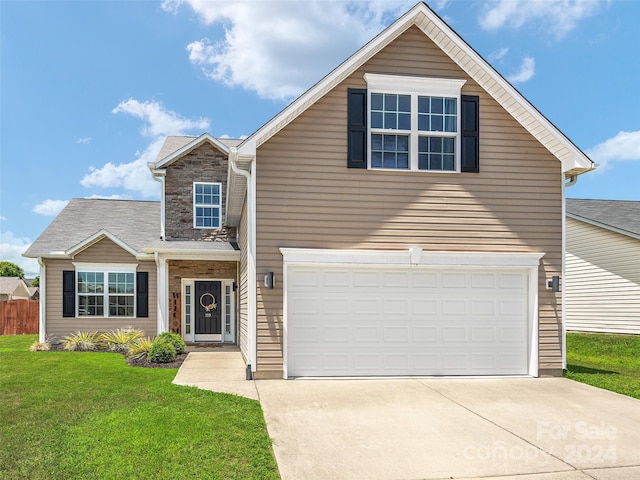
x,y
134,362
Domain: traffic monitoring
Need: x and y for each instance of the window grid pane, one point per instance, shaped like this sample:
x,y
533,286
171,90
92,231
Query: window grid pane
x,y
389,151
207,203
390,111
436,153
120,306
437,114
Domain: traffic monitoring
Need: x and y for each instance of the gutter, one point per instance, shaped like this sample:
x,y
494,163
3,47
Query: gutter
x,y
252,328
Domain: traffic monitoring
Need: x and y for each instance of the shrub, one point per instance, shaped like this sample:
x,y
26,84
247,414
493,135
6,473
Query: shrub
x,y
40,346
119,340
162,352
83,341
175,340
140,347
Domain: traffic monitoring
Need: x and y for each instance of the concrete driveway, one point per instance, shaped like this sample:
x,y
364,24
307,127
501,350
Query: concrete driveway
x,y
521,428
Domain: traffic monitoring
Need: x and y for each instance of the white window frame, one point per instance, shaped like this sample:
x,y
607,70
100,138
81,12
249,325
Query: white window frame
x,y
204,205
105,269
415,87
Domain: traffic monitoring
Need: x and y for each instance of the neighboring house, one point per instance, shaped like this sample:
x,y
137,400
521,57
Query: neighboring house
x,y
602,278
13,288
401,217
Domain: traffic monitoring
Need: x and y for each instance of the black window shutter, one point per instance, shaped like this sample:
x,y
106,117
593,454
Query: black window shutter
x,y
357,128
68,293
470,120
142,294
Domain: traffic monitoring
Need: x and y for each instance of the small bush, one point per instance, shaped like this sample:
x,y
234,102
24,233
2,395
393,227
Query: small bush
x,y
81,341
175,340
161,352
40,346
119,340
140,347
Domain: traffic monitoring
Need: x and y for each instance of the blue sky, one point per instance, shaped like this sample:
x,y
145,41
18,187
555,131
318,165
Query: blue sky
x,y
90,89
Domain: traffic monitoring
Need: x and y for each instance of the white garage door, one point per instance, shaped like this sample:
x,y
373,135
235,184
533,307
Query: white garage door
x,y
366,320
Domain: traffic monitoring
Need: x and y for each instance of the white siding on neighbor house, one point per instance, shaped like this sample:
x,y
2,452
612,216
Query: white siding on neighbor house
x,y
602,281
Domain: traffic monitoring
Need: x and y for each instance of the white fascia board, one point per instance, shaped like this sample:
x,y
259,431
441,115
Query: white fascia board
x,y
570,156
171,254
412,256
304,101
87,242
604,225
205,137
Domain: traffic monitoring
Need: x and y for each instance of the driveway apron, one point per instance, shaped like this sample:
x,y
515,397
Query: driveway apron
x,y
550,428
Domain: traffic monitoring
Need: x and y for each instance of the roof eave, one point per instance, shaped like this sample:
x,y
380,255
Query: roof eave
x,y
461,53
196,142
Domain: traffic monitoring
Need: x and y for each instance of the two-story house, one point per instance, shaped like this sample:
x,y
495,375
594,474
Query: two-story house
x,y
404,216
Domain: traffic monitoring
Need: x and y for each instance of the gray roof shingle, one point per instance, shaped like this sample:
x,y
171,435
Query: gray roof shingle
x,y
135,223
623,215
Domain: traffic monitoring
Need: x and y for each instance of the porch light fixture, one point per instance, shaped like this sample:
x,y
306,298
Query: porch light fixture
x,y
269,280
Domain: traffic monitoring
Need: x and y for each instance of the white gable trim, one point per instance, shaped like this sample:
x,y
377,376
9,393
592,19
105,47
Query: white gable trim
x,y
604,225
196,142
95,238
572,158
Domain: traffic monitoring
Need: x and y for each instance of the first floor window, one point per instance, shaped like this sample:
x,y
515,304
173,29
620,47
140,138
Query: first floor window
x,y
106,294
207,204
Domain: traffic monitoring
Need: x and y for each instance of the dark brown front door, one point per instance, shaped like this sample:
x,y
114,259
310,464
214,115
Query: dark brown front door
x,y
208,308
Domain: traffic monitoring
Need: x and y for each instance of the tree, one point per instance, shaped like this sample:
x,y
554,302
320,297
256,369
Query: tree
x,y
8,269
36,281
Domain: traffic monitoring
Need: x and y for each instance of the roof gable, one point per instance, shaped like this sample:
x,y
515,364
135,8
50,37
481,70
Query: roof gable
x,y
619,216
13,286
180,146
574,161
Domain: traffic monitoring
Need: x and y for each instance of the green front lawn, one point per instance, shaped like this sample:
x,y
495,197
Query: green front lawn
x,y
607,361
90,415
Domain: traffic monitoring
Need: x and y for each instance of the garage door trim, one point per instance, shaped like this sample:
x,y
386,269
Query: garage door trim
x,y
415,256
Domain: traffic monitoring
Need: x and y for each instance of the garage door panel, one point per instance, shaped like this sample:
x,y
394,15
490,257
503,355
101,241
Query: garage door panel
x,y
406,321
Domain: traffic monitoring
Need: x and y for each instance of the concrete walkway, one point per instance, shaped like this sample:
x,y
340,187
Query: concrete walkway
x,y
219,370
426,428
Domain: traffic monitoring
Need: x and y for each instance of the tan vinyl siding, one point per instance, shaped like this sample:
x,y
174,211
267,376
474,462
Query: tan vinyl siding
x,y
103,252
243,285
307,198
602,280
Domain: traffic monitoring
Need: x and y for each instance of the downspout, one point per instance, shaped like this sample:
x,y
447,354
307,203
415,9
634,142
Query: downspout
x,y
573,179
251,253
42,321
160,178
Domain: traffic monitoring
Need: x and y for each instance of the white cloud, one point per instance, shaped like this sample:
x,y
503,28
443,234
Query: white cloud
x,y
111,197
50,208
11,250
625,146
159,121
135,176
84,141
2,218
526,71
558,17
279,48
498,55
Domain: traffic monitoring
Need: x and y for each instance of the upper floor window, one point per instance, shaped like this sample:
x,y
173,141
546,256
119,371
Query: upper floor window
x,y
207,198
414,123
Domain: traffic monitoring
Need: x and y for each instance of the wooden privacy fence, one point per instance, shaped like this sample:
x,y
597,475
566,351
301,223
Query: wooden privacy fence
x,y
19,317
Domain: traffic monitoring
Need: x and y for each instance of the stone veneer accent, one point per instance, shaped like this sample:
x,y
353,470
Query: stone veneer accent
x,y
204,164
179,269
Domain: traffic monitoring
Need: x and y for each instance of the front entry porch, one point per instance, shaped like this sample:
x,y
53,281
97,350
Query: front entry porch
x,y
203,301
